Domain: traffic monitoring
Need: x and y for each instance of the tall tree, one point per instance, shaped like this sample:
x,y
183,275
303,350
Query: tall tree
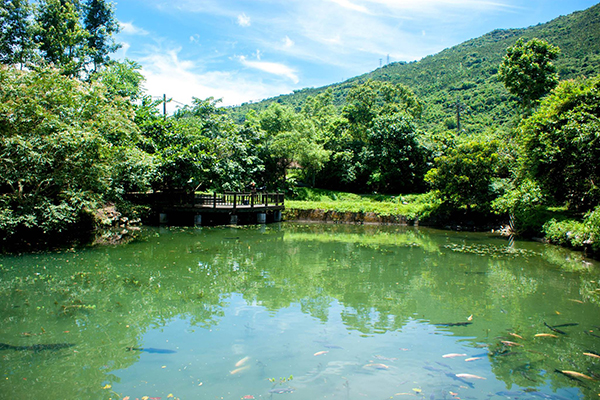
x,y
527,70
60,35
561,144
16,33
101,24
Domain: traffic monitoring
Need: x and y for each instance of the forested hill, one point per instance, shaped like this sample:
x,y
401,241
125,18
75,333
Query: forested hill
x,y
466,74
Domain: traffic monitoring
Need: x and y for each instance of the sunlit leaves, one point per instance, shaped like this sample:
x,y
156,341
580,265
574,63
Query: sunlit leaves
x,y
62,149
527,70
561,144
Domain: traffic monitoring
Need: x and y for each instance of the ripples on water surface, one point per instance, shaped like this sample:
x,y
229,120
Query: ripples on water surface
x,y
301,312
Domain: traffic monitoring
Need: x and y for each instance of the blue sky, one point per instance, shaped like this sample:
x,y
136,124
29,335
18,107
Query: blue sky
x,y
248,50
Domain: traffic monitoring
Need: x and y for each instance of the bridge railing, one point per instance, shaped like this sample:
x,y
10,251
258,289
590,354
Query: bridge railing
x,y
227,199
240,199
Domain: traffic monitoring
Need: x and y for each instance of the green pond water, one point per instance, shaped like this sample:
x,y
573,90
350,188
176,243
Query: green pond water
x,y
301,312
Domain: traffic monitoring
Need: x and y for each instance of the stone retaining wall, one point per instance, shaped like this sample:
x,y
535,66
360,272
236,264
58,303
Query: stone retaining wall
x,y
346,217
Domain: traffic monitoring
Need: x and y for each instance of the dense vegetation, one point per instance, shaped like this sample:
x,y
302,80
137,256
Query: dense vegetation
x,y
78,131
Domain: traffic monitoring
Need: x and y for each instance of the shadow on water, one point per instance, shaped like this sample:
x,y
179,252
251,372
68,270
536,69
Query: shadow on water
x,y
350,311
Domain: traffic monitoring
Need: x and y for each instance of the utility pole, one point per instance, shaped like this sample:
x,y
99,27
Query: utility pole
x,y
165,105
380,61
459,107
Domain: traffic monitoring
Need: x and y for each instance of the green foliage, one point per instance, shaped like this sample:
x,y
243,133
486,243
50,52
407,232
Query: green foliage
x,y
395,158
101,24
60,35
525,203
527,70
122,79
463,177
16,33
68,34
578,234
561,144
63,148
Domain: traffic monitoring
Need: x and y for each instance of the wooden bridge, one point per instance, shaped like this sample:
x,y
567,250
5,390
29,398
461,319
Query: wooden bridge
x,y
214,209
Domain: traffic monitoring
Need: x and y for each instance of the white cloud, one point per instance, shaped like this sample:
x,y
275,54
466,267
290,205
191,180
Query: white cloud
x,y
271,68
243,20
287,42
166,73
129,29
195,38
351,6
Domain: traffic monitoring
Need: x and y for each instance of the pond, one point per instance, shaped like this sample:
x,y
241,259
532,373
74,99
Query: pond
x,y
301,312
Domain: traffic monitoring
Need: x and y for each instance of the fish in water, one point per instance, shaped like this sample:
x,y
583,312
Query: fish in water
x,y
469,376
152,350
515,335
320,353
453,355
545,335
509,343
282,390
563,325
553,329
37,347
242,361
240,369
454,324
332,346
473,359
591,354
574,374
434,369
459,379
377,366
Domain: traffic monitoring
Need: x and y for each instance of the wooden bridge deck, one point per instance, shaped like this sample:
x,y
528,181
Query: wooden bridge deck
x,y
229,202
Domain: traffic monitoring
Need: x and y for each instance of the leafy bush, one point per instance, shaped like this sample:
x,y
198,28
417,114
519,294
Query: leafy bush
x,y
463,176
561,144
64,148
525,204
577,234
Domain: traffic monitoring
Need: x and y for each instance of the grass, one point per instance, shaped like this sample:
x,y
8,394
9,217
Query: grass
x,y
410,205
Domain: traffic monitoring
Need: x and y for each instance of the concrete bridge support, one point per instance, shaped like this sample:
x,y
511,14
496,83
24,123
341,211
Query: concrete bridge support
x,y
261,218
163,219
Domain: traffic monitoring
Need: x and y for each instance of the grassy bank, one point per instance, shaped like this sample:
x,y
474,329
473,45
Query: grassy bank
x,y
556,225
410,206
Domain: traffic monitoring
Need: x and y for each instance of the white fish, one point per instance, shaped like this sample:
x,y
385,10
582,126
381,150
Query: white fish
x,y
469,376
242,361
240,369
452,355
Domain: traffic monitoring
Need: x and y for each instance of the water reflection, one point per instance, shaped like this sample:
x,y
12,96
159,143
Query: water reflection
x,y
350,311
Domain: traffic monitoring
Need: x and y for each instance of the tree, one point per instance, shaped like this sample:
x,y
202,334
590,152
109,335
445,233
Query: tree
x,y
122,79
16,33
527,70
374,98
64,149
60,36
101,24
463,176
397,162
561,144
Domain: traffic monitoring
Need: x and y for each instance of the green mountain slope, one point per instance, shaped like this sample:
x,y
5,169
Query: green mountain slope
x,y
466,74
